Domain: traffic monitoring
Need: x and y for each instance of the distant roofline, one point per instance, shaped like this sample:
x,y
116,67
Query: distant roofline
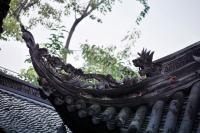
x,y
15,86
175,54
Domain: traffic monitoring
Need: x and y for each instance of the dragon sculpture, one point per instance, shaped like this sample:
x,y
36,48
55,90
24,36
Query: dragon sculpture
x,y
75,93
146,65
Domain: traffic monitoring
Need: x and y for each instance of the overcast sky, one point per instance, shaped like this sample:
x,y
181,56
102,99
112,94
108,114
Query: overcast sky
x,y
169,26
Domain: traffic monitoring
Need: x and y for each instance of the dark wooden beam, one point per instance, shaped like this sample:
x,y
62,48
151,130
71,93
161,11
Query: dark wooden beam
x,y
80,125
123,116
155,117
138,120
108,114
2,130
173,112
198,130
191,109
94,109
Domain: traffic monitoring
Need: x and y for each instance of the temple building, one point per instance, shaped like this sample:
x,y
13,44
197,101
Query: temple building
x,y
167,100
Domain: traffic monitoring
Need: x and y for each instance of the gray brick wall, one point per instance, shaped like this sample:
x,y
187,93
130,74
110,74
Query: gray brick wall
x,y
22,116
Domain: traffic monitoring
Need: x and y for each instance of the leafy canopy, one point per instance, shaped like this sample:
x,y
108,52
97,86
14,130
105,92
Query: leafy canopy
x,y
50,14
98,59
106,60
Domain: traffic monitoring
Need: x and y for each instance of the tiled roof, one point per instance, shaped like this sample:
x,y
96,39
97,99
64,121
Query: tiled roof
x,y
18,115
22,110
179,114
166,101
23,116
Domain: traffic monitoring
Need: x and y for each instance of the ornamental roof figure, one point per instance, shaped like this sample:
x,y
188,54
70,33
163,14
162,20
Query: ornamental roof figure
x,y
166,101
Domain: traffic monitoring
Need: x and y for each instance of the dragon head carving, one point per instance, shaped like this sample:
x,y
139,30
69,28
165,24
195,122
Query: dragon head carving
x,y
145,64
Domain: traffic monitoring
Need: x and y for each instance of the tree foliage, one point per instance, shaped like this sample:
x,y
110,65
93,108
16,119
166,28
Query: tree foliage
x,y
106,60
35,11
55,44
29,75
98,59
143,12
49,13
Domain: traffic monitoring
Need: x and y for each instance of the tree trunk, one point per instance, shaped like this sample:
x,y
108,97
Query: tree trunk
x,y
76,22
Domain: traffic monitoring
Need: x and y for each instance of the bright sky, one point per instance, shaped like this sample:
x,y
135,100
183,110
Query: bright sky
x,y
169,26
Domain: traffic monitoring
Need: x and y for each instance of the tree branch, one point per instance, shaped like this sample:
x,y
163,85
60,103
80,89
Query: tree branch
x,y
19,9
94,8
23,6
87,7
77,21
75,10
30,4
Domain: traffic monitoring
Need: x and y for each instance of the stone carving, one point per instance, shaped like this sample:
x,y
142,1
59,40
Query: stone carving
x,y
146,65
104,99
